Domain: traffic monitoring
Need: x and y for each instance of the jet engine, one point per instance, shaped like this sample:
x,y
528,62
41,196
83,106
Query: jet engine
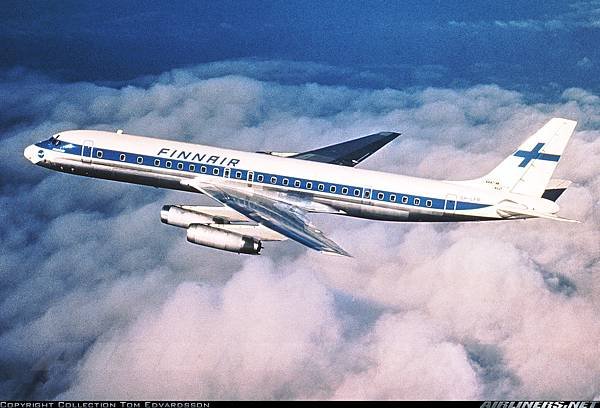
x,y
225,240
179,217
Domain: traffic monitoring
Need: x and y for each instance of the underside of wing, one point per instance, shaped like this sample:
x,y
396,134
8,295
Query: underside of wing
x,y
279,216
348,153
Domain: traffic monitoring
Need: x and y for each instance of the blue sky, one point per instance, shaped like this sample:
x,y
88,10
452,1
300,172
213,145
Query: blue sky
x,y
540,45
99,299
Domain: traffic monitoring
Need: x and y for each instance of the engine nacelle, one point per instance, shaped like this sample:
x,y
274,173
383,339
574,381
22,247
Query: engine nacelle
x,y
225,240
178,217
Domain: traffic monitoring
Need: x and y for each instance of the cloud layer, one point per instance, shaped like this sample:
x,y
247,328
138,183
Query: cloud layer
x,y
100,300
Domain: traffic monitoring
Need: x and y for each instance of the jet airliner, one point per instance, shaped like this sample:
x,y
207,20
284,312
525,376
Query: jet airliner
x,y
266,196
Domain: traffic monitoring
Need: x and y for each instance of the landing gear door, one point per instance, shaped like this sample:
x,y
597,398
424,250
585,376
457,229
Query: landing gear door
x,y
87,150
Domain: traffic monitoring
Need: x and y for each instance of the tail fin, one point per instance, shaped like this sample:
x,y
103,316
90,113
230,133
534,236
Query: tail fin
x,y
530,168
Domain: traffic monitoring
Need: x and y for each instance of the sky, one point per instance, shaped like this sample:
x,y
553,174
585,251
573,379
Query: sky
x,y
544,44
101,300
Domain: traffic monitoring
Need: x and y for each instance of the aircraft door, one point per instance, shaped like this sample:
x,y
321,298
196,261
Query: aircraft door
x,y
227,172
87,150
250,178
450,204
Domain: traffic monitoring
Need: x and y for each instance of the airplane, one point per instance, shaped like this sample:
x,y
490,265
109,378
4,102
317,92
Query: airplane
x,y
267,196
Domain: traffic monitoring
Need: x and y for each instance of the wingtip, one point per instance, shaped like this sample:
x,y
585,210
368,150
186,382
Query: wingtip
x,y
391,135
338,252
337,255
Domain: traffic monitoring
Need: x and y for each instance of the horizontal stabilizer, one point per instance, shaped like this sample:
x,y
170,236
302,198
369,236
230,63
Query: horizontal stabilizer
x,y
555,188
508,209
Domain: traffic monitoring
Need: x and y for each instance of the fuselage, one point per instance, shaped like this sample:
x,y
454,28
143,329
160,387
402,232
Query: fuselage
x,y
318,187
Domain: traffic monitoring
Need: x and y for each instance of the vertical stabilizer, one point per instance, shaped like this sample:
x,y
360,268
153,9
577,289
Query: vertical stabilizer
x,y
529,169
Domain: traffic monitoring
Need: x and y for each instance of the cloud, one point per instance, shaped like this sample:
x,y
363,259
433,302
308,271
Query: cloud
x,y
101,300
585,63
260,336
574,16
410,357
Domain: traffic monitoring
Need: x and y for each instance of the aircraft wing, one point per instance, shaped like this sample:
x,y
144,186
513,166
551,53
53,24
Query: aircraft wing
x,y
279,216
348,153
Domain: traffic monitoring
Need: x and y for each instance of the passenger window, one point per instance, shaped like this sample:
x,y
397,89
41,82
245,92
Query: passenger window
x,y
99,154
367,194
238,174
157,162
192,167
344,190
428,203
393,198
140,160
169,164
356,192
309,185
180,166
404,199
260,178
273,180
122,157
380,196
332,189
286,182
297,183
321,187
216,171
417,201
203,169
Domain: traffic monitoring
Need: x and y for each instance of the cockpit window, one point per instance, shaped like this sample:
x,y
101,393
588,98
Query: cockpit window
x,y
55,141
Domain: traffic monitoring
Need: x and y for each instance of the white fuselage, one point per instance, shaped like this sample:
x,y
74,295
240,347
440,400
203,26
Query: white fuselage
x,y
317,187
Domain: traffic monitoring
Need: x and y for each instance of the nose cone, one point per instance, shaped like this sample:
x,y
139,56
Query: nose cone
x,y
33,153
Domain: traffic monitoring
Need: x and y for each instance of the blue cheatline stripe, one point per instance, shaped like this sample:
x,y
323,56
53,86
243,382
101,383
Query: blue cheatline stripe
x,y
343,190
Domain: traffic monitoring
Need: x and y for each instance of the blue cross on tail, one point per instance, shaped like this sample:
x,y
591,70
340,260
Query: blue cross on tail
x,y
535,154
